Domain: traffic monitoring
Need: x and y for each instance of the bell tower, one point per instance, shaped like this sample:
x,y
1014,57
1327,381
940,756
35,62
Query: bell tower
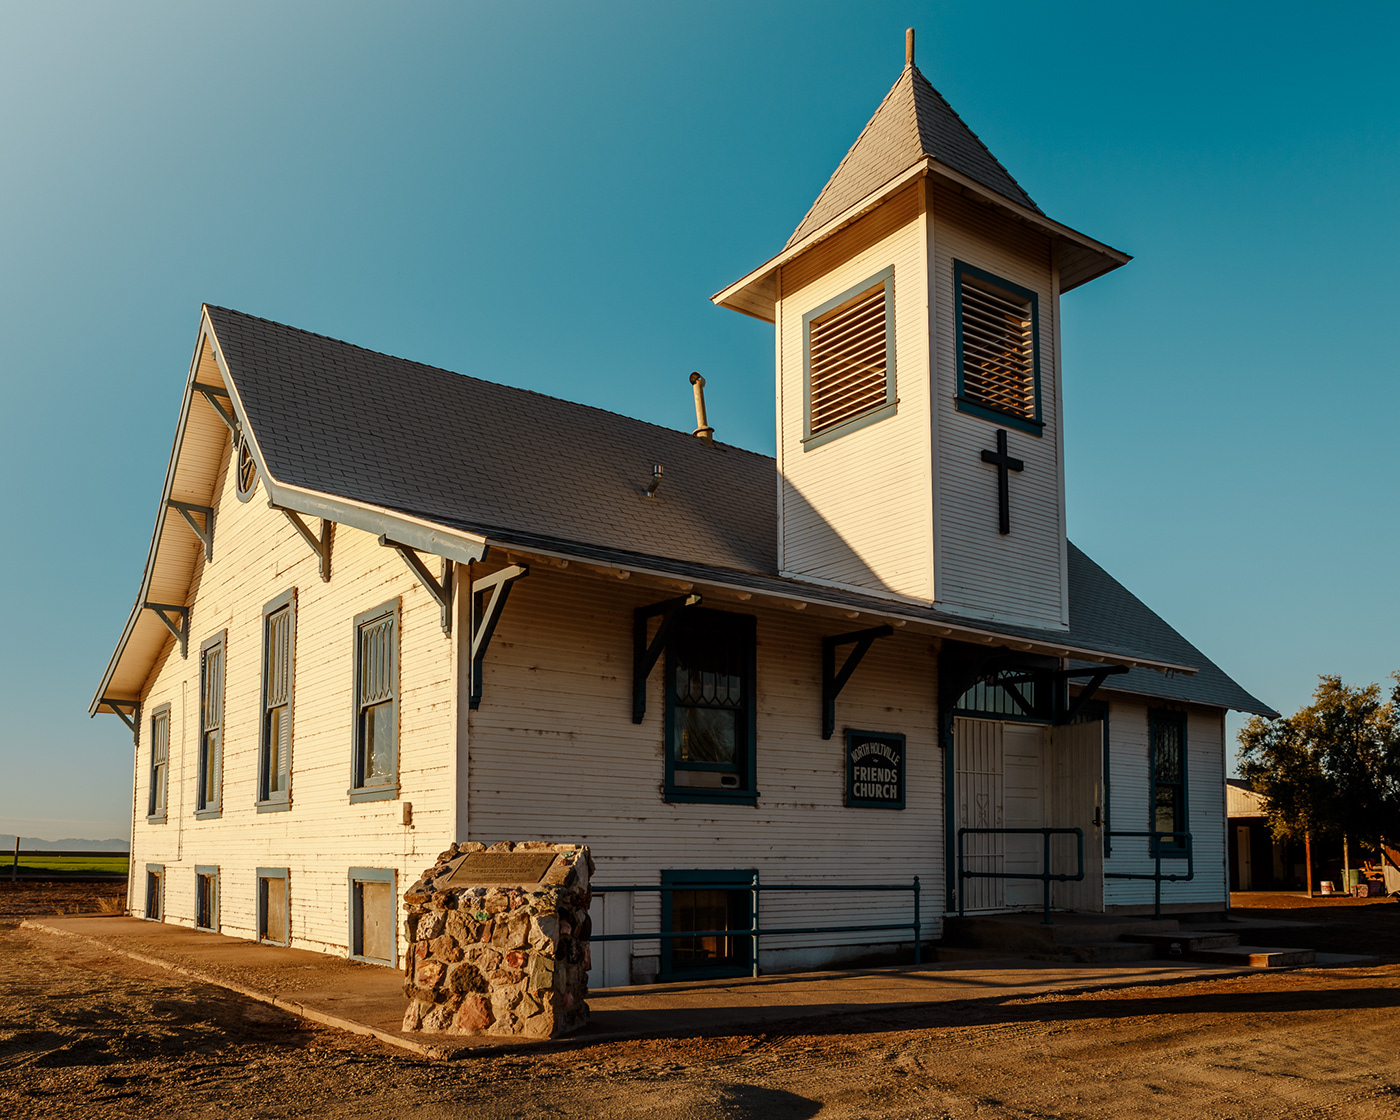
x,y
916,308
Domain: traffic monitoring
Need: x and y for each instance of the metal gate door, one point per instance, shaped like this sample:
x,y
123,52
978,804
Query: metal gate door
x,y
979,795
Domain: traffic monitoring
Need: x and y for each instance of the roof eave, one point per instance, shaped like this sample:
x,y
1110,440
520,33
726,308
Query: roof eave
x,y
742,290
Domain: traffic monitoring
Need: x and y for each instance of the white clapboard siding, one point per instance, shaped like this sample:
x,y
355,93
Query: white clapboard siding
x,y
554,756
257,556
979,571
857,510
1130,809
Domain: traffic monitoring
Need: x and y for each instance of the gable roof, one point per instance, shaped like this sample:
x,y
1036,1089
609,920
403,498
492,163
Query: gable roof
x,y
451,464
913,123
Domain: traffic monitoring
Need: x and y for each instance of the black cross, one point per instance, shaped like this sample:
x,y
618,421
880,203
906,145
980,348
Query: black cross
x,y
1003,463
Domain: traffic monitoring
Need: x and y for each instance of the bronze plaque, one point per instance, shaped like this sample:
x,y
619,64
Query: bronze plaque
x,y
490,868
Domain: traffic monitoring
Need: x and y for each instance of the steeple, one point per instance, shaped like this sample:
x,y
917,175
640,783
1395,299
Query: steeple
x,y
913,124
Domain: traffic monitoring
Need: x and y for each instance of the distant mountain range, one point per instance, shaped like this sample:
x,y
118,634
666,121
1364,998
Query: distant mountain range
x,y
34,844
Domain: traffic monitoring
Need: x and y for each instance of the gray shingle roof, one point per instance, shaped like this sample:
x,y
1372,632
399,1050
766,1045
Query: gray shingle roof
x,y
538,472
913,122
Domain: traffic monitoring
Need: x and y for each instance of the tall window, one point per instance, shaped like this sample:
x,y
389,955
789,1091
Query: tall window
x,y
849,359
1169,778
160,765
211,723
275,749
710,711
376,765
998,352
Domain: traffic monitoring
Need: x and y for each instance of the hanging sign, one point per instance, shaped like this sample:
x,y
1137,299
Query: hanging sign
x,y
874,770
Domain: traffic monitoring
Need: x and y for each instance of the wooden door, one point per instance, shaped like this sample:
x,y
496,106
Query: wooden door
x,y
1075,766
979,798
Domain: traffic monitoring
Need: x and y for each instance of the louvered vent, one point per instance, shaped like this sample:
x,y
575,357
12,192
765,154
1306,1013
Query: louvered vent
x,y
998,350
849,360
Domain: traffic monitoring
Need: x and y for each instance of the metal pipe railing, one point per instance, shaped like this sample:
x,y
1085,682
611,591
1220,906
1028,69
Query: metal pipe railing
x,y
1158,855
755,931
1044,876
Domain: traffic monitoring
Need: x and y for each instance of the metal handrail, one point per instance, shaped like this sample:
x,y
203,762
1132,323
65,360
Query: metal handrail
x,y
755,931
1045,877
1158,855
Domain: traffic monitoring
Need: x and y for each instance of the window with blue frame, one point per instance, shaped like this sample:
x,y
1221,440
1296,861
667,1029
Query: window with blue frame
x,y
209,795
160,765
996,327
1168,799
716,906
710,710
375,770
275,743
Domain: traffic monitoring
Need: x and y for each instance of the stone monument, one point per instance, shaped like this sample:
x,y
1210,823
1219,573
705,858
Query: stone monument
x,y
498,941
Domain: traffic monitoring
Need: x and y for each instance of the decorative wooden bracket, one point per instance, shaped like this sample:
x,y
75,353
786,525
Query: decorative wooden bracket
x,y
832,681
1067,709
439,588
488,599
132,721
205,532
644,656
320,545
163,611
211,393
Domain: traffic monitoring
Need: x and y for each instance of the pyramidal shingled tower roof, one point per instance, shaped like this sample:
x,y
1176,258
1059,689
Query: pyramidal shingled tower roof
x,y
913,123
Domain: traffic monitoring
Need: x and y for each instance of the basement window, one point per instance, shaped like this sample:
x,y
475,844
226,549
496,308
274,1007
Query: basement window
x,y
372,915
208,799
160,765
275,745
274,915
717,907
375,773
710,710
998,350
155,892
206,898
848,360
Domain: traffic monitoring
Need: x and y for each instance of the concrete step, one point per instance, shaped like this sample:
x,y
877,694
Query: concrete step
x,y
1105,952
1169,946
1256,956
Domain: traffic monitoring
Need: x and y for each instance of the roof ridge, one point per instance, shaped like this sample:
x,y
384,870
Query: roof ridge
x,y
971,132
480,380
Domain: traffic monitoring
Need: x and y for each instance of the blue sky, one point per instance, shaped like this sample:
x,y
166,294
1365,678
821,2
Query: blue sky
x,y
545,195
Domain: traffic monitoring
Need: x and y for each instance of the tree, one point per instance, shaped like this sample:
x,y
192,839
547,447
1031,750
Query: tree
x,y
1333,766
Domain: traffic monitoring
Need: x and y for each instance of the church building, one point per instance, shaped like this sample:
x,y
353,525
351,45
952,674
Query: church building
x,y
388,607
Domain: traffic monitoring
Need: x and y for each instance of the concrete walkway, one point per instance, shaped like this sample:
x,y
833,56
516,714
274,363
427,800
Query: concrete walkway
x,y
368,999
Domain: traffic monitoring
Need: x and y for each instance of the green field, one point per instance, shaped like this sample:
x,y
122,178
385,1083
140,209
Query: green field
x,y
72,865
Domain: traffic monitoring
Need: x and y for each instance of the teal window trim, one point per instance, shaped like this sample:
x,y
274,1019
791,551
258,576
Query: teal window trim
x,y
1158,717
731,880
359,875
360,791
264,873
209,871
746,769
209,794
281,800
1034,426
811,440
155,878
158,808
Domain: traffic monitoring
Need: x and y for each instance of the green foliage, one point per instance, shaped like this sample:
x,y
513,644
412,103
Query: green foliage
x,y
1332,766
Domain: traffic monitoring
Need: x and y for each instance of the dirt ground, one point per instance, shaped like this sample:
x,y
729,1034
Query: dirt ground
x,y
92,1034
